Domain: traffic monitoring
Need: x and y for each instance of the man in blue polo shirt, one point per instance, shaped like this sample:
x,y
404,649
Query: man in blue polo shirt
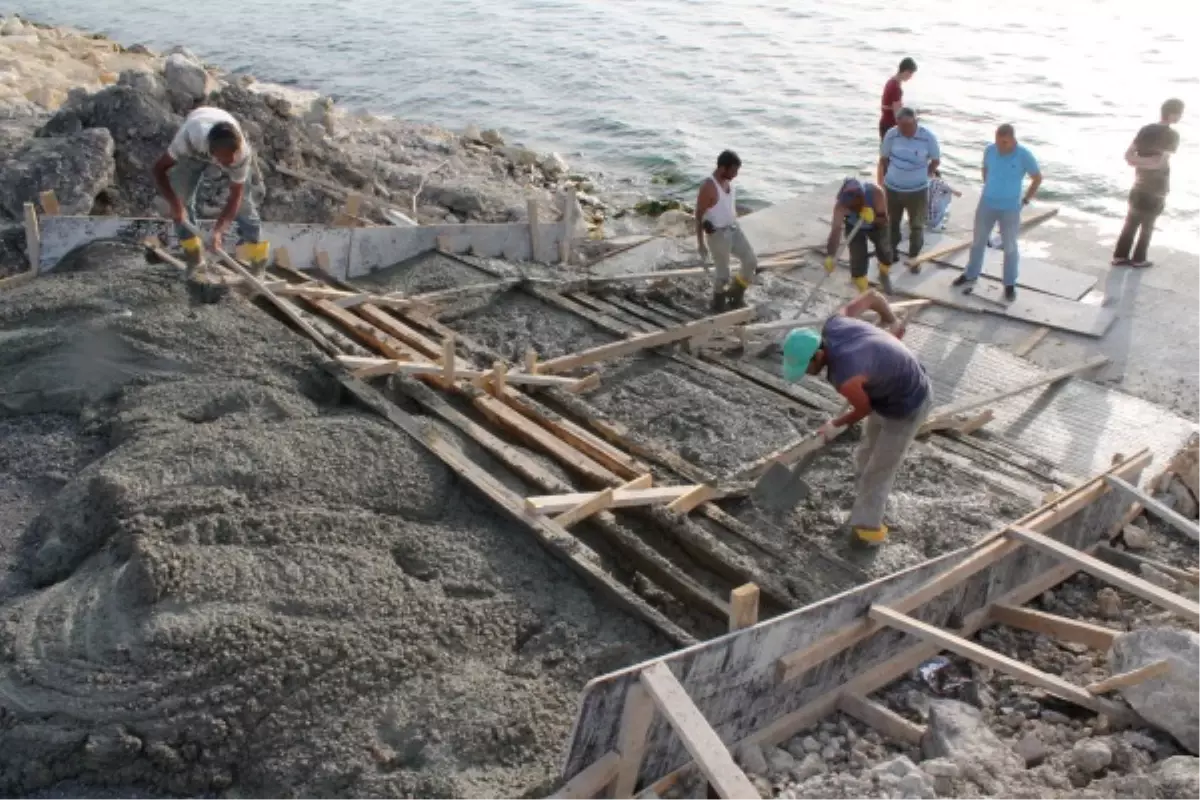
x,y
908,155
1005,165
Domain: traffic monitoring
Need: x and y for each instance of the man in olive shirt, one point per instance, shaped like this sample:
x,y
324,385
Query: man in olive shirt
x,y
1150,155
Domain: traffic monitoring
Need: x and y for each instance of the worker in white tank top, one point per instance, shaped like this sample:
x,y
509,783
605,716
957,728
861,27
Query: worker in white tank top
x,y
717,232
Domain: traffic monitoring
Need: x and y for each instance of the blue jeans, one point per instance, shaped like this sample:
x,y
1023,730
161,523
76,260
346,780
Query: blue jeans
x,y
185,179
1010,225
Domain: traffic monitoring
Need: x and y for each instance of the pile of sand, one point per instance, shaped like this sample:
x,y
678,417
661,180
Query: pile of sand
x,y
220,579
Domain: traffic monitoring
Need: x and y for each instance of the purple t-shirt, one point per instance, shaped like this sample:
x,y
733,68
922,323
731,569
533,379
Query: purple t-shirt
x,y
896,382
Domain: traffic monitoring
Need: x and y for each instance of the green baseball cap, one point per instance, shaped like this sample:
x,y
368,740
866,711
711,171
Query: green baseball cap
x,y
798,349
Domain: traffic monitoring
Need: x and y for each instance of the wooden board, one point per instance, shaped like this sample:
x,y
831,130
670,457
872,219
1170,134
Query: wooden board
x,y
622,498
1155,669
1036,307
1168,515
1097,637
1033,273
881,718
732,678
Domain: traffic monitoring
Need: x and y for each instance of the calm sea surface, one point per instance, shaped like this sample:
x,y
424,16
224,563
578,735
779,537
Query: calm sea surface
x,y
636,88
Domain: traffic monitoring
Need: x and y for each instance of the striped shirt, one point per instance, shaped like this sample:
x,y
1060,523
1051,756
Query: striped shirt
x,y
908,159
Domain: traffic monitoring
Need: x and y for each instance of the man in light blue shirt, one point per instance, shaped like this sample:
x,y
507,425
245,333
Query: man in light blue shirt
x,y
908,155
1005,165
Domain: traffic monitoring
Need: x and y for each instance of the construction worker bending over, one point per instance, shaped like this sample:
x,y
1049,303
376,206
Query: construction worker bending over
x,y
716,219
210,136
885,384
864,201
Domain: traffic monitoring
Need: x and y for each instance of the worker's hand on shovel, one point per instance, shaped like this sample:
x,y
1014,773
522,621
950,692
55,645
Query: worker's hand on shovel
x,y
829,431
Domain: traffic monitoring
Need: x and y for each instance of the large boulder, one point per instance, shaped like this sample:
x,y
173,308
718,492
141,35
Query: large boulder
x,y
956,731
76,167
1177,777
186,77
1170,702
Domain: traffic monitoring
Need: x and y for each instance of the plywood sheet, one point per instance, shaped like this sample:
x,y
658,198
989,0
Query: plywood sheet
x,y
1034,273
732,679
1036,307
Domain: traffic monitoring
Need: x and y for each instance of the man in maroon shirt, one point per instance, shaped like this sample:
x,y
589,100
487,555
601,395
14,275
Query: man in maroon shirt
x,y
893,95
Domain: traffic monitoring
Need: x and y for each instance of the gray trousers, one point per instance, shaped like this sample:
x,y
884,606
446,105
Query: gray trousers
x,y
185,179
731,241
879,455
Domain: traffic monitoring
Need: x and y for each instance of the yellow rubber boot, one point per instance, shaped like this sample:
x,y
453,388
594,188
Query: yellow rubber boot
x,y
257,254
872,537
193,255
885,278
737,291
862,284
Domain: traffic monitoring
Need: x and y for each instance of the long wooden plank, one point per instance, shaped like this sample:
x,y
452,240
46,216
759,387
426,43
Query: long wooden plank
x,y
987,552
622,498
641,277
365,332
635,724
882,719
593,505
592,780
386,322
645,341
551,536
1124,559
369,367
998,661
696,734
942,253
1155,669
1187,609
1168,515
944,416
1097,637
988,297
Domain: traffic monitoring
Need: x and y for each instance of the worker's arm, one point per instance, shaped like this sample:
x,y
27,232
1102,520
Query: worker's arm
x,y
869,301
935,155
881,170
854,390
1160,161
163,181
705,199
1034,182
835,232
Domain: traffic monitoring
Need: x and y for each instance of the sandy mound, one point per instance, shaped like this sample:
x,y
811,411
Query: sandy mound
x,y
253,588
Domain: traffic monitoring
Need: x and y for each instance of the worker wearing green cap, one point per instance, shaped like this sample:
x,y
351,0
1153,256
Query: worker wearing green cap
x,y
885,384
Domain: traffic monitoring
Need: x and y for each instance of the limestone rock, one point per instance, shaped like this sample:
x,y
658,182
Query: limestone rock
x,y
751,757
75,167
1091,755
492,137
811,765
957,731
143,80
521,156
944,772
811,745
12,27
186,77
1178,777
779,760
1108,602
1032,749
1136,537
471,133
917,784
898,766
553,165
1170,702
1185,503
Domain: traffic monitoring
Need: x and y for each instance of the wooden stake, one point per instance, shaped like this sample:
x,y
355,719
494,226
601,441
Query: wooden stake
x,y
531,361
33,239
598,502
743,607
499,378
448,362
534,231
622,498
696,734
701,494
50,205
283,258
1155,669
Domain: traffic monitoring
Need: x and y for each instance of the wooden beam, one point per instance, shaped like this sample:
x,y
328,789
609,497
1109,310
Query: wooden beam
x,y
592,780
369,367
1097,637
1155,669
386,322
585,384
597,502
700,494
1187,609
50,206
365,332
551,536
987,552
1168,515
647,340
1128,560
499,380
951,249
33,238
997,661
944,416
743,607
696,734
622,498
636,718
882,719
1033,340
638,277
531,361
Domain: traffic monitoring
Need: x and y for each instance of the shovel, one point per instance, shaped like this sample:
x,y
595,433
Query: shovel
x,y
782,487
837,257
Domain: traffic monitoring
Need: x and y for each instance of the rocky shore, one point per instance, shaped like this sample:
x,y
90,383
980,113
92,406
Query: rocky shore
x,y
87,117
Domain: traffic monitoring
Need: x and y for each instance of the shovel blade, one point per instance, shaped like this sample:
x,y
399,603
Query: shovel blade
x,y
780,488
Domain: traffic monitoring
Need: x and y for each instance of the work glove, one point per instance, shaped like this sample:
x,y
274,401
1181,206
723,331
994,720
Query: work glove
x,y
867,215
828,431
830,265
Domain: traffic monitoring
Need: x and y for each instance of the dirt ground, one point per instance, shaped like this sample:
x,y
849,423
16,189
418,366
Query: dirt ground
x,y
219,579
